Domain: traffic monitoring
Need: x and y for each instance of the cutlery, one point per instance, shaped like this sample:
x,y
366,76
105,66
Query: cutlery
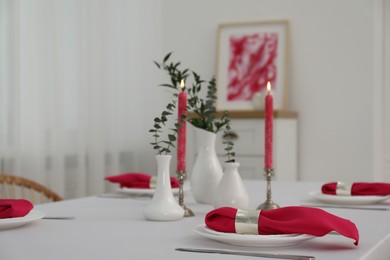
x,y
127,196
255,254
113,195
348,207
59,217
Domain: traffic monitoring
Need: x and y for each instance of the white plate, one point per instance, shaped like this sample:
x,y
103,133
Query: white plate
x,y
347,200
16,222
133,191
253,240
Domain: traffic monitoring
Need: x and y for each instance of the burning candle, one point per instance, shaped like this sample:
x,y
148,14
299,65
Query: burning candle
x,y
269,117
181,135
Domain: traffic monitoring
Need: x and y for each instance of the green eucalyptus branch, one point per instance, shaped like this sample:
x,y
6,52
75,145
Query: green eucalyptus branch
x,y
228,140
164,146
204,110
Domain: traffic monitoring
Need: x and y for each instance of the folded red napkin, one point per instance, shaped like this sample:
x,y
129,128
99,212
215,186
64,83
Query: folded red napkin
x,y
286,220
13,208
357,189
138,180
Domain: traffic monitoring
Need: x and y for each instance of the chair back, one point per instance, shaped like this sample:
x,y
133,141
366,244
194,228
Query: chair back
x,y
15,187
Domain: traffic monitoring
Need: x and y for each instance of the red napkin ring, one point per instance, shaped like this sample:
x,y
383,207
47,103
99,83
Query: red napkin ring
x,y
14,208
286,220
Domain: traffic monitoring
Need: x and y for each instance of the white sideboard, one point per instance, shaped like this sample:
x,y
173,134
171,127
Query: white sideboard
x,y
249,146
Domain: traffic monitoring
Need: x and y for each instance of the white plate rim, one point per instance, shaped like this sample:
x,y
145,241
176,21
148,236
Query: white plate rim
x,y
348,200
248,236
34,214
253,240
136,191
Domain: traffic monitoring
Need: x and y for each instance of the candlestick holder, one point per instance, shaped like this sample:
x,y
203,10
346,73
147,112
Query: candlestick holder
x,y
181,176
268,204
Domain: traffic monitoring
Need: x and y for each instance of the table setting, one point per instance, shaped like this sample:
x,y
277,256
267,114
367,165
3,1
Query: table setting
x,y
120,223
17,212
136,183
210,214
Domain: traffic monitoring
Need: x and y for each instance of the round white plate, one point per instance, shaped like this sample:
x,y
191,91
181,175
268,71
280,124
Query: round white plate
x,y
252,240
16,222
133,191
347,200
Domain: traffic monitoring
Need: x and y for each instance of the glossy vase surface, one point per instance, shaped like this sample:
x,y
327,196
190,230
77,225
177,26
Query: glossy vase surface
x,y
231,191
163,206
207,170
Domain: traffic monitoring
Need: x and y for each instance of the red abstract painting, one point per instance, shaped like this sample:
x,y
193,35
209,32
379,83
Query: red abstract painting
x,y
252,62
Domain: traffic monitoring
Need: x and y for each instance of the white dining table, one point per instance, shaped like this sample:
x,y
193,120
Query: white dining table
x,y
113,227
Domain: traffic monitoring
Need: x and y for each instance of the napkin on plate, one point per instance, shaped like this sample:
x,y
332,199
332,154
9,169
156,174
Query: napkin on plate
x,y
286,220
14,208
358,189
137,180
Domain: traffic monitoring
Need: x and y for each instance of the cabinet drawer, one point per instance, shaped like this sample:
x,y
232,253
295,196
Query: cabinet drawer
x,y
250,137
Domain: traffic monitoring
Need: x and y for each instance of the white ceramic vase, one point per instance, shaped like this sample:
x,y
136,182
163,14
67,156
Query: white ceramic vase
x,y
207,170
231,191
163,206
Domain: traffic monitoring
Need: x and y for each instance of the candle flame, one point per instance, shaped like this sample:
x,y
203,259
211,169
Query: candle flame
x,y
182,85
268,87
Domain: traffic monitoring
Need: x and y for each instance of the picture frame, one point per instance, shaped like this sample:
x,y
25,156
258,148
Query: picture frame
x,y
249,54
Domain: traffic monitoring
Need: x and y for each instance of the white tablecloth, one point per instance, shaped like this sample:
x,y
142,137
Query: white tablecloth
x,y
114,228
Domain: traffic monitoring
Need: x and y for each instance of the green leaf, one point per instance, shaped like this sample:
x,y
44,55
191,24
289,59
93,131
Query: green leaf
x,y
166,113
158,65
167,57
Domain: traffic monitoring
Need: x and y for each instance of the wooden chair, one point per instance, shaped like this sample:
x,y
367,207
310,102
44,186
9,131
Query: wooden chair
x,y
14,187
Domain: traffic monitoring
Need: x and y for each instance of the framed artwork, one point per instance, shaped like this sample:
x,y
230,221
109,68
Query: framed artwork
x,y
249,54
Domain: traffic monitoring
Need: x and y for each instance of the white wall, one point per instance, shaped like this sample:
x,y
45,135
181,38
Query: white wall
x,y
331,72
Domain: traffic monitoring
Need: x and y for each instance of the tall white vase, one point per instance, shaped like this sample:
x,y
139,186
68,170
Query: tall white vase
x,y
231,191
207,171
163,206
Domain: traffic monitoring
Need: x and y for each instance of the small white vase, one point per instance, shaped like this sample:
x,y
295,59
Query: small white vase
x,y
163,206
207,170
231,191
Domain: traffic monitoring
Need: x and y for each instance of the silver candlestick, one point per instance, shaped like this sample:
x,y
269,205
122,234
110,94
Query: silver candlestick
x,y
268,204
181,176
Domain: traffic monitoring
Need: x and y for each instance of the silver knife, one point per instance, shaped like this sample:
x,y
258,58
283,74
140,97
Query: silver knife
x,y
255,254
59,217
347,207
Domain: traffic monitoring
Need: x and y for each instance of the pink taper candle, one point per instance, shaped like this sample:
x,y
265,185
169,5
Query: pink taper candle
x,y
269,117
181,136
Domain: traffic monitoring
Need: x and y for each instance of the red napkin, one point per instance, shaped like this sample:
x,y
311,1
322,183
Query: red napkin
x,y
13,208
136,180
286,220
360,188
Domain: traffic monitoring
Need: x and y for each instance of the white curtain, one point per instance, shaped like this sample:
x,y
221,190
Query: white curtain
x,y
386,84
73,78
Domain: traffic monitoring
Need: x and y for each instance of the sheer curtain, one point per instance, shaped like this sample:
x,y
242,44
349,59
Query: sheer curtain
x,y
71,81
386,79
